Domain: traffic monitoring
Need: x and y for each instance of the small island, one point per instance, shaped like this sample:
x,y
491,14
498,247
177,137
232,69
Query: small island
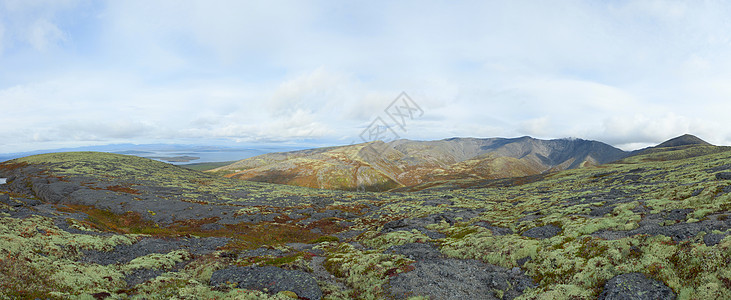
x,y
176,158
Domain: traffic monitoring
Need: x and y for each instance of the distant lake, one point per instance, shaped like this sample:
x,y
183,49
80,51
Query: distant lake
x,y
190,156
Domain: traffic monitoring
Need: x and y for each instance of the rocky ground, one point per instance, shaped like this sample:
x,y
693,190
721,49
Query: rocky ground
x,y
97,225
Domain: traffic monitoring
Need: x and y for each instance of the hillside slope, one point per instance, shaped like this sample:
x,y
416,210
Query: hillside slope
x,y
378,166
690,145
83,225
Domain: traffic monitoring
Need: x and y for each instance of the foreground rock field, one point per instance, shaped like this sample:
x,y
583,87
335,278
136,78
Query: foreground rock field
x,y
106,226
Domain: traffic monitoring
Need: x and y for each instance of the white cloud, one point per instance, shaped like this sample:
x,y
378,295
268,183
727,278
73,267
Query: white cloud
x,y
34,23
318,90
537,127
44,34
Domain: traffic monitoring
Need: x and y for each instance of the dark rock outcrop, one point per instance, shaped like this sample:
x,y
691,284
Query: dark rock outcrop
x,y
439,277
713,239
417,251
542,232
635,286
126,253
458,279
53,192
270,279
5,199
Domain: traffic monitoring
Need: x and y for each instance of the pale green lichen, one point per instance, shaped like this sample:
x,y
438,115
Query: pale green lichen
x,y
480,243
78,278
157,261
364,271
394,238
180,285
78,225
39,248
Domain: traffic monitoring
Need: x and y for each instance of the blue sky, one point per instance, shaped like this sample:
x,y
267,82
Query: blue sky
x,y
630,73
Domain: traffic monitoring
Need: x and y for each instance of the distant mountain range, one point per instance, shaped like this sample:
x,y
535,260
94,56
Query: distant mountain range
x,y
379,166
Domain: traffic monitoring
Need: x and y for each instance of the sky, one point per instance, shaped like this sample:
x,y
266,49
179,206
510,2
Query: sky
x,y
628,73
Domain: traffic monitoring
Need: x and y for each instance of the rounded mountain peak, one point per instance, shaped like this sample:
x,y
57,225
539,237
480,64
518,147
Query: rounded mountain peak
x,y
683,140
